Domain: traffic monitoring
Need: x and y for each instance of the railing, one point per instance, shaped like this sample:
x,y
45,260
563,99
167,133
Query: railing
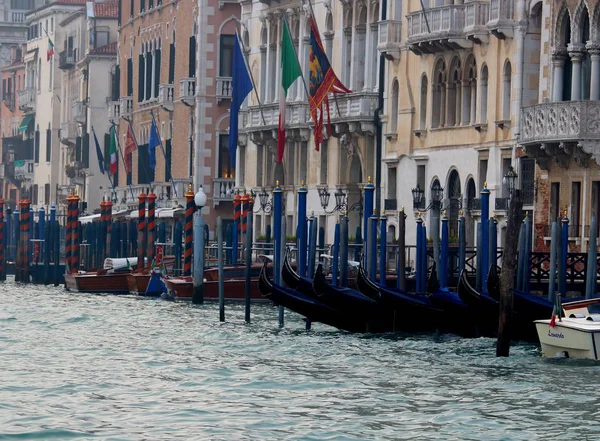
x,y
353,106
68,132
389,36
476,14
187,90
67,59
474,204
446,19
78,109
297,113
18,17
223,88
26,99
166,93
560,121
23,170
223,189
114,111
126,107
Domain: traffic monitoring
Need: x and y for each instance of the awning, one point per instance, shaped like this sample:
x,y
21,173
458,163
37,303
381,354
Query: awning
x,y
162,213
25,122
96,217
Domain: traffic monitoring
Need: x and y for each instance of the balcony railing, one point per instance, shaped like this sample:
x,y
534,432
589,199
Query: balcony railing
x,y
389,38
126,107
437,29
297,114
18,17
474,204
26,100
166,94
572,231
354,107
114,111
476,17
187,90
67,59
223,88
68,133
500,18
78,109
23,170
223,189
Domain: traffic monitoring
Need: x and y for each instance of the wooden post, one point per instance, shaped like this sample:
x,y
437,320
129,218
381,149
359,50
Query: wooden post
x,y
401,250
507,278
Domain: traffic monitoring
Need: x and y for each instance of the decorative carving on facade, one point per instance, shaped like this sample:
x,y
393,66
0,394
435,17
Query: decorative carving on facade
x,y
349,142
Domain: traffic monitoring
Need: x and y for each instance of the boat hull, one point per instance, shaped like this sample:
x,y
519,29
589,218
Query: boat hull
x,y
566,341
138,284
234,289
115,283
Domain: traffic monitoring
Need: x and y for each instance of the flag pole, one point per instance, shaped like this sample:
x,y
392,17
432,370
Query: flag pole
x,y
284,17
251,76
164,154
107,174
122,157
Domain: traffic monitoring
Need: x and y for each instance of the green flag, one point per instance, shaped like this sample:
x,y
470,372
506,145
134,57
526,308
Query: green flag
x,y
112,153
290,71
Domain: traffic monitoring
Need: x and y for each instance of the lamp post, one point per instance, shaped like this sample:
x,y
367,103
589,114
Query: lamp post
x,y
340,200
510,180
200,201
437,192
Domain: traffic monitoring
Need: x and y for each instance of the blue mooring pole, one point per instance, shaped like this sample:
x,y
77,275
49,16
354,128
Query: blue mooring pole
x,y
372,250
277,246
478,259
485,235
419,251
344,251
562,267
444,252
301,255
383,250
424,258
312,246
592,268
493,242
527,253
336,254
555,238
52,213
462,243
367,212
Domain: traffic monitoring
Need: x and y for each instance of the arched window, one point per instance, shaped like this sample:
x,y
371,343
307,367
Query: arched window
x,y
469,93
263,64
328,35
454,194
483,84
361,50
438,108
394,109
347,47
506,91
423,111
454,94
273,43
372,76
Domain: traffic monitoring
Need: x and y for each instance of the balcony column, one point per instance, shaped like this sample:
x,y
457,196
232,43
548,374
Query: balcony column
x,y
576,59
473,101
594,51
266,96
466,102
558,66
353,63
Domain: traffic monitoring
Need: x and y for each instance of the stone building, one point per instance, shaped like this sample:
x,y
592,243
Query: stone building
x,y
87,58
175,61
561,128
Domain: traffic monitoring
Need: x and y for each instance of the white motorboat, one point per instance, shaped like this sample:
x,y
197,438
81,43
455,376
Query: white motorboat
x,y
576,334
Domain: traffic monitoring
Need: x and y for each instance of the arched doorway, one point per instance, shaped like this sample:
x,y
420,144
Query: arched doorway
x,y
454,195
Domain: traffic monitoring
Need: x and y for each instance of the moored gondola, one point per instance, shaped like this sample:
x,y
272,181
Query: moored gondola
x,y
483,307
289,276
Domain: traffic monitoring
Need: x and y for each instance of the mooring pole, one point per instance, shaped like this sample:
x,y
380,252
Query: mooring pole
x,y
401,270
521,256
237,211
220,269
141,229
189,232
151,248
75,234
564,248
69,234
248,257
312,247
592,267
462,243
527,253
383,250
444,252
479,258
344,251
493,241
56,250
336,254
555,237
367,213
418,258
424,258
25,226
277,239
2,260
485,236
301,257
507,278
372,247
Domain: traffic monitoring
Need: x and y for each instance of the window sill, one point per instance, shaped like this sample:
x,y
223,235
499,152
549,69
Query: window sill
x,y
480,126
420,133
503,123
391,136
459,127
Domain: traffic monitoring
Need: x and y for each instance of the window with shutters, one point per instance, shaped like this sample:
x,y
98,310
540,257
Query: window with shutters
x,y
141,78
168,156
145,173
46,193
527,176
34,199
85,150
131,7
150,4
142,5
172,62
192,58
226,168
78,149
36,152
148,90
157,57
48,145
226,55
129,77
115,89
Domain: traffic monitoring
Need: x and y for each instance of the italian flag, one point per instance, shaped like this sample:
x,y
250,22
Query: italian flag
x,y
50,51
290,71
112,152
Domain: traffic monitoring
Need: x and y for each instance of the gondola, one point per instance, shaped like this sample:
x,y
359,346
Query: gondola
x,y
484,308
306,306
294,281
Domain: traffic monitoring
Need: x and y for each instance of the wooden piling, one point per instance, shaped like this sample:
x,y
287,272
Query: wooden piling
x,y
2,261
248,256
592,267
151,247
141,229
401,283
189,232
555,237
75,234
507,278
220,269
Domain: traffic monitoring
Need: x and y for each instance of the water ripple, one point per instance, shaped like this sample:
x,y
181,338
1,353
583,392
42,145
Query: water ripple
x,y
123,368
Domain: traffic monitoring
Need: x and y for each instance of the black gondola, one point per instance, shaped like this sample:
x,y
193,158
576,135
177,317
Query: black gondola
x,y
289,276
484,308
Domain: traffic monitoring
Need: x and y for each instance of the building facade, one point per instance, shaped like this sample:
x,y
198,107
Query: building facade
x,y
560,128
175,65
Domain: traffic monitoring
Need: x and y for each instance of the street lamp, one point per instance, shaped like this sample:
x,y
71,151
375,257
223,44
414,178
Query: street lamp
x,y
510,179
265,204
340,200
418,194
198,294
437,193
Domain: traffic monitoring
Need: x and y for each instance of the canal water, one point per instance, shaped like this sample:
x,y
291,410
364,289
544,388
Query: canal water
x,y
76,366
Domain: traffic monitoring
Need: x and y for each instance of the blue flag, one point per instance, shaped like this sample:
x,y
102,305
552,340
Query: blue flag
x,y
153,142
241,85
99,153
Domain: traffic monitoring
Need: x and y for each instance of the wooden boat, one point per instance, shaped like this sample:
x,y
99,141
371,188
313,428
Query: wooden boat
x,y
484,308
576,335
306,306
137,283
98,282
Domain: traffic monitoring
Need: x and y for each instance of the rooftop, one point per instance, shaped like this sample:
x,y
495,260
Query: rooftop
x,y
107,9
108,49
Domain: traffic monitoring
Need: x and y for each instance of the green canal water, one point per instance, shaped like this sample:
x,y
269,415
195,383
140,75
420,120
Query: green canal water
x,y
76,366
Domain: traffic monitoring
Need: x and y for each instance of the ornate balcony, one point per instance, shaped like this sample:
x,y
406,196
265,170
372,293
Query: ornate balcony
x,y
261,122
26,100
500,23
78,109
114,111
562,131
166,93
187,91
68,133
67,59
389,38
476,17
223,190
354,112
126,107
23,170
437,30
223,88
